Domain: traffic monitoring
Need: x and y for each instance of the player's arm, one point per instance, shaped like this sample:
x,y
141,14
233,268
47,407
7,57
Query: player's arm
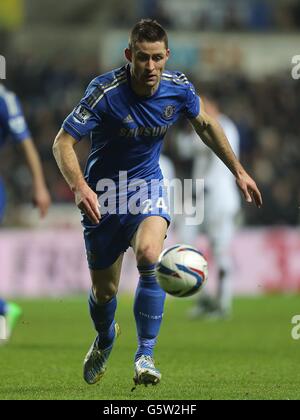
x,y
67,161
212,134
41,196
21,136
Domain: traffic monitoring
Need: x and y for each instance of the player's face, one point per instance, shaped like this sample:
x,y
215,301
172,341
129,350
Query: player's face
x,y
148,61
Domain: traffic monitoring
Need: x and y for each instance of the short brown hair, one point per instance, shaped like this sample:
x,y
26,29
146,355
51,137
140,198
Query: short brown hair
x,y
148,30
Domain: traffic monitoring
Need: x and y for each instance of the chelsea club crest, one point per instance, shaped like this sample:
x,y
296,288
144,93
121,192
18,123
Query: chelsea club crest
x,y
169,112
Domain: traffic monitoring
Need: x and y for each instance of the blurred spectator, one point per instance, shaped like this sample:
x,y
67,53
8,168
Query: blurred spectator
x,y
210,15
155,9
296,13
225,15
260,15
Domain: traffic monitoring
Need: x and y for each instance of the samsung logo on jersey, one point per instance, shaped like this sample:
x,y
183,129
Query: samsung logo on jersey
x,y
144,131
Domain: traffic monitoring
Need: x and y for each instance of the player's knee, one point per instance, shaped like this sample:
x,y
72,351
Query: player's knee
x,y
148,254
104,295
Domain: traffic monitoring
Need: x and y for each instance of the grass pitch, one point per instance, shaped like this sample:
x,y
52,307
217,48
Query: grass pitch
x,y
252,356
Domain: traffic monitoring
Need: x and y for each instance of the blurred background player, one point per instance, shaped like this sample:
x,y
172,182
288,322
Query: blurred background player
x,y
13,127
222,206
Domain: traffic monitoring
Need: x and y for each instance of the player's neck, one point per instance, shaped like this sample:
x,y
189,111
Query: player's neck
x,y
142,90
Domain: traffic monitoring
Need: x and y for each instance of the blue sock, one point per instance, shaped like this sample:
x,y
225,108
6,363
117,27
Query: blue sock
x,y
148,310
103,317
3,307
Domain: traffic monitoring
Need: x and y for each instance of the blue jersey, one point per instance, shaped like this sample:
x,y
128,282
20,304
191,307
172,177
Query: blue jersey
x,y
127,130
12,121
12,125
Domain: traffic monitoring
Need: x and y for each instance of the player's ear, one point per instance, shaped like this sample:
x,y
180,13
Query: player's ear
x,y
128,54
168,54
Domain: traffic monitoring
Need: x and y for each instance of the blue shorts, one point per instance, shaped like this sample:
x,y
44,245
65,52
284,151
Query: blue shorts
x,y
2,200
112,237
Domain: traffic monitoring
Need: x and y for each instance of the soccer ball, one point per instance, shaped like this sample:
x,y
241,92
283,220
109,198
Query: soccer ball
x,y
181,270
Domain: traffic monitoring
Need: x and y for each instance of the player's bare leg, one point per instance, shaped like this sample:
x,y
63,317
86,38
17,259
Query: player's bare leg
x,y
149,299
149,239
103,305
105,283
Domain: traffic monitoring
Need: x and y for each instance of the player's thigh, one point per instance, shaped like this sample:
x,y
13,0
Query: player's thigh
x,y
106,282
148,240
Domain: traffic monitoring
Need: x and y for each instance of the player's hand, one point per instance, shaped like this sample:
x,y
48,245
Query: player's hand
x,y
42,200
87,201
249,189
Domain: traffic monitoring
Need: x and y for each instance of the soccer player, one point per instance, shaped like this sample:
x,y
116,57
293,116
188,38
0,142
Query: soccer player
x,y
222,206
13,127
127,112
